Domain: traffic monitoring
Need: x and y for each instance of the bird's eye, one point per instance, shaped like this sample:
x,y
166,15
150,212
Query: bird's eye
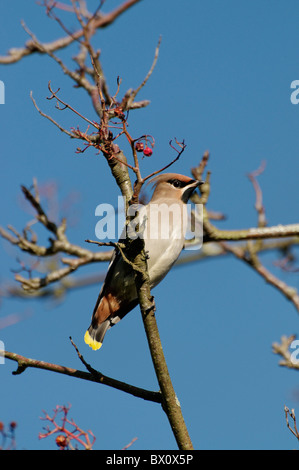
x,y
176,184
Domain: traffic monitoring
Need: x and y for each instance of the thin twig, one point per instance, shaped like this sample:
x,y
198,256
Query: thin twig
x,y
135,92
259,195
66,105
291,413
179,153
70,134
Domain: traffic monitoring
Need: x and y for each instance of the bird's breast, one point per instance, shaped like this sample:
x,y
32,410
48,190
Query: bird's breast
x,y
164,237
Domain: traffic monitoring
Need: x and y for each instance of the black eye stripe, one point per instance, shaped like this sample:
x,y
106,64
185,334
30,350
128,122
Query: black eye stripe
x,y
178,183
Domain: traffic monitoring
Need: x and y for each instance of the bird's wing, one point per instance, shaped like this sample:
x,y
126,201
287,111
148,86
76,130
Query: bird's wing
x,y
113,262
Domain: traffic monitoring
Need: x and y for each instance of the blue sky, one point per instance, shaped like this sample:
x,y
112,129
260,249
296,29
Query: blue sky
x,y
222,83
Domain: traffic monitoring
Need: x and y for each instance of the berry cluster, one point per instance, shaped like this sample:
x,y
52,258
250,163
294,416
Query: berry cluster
x,y
140,147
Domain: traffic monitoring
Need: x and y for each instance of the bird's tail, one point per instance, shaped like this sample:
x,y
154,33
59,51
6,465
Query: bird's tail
x,y
95,334
107,313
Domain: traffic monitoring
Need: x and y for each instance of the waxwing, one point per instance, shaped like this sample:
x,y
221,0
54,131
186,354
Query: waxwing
x,y
164,223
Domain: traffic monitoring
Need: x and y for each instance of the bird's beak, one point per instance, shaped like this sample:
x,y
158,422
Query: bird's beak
x,y
197,183
188,190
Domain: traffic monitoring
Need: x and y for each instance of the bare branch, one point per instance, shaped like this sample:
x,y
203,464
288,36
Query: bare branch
x,y
291,413
251,259
198,171
254,233
77,77
16,54
98,377
70,134
59,244
283,350
127,103
259,195
179,153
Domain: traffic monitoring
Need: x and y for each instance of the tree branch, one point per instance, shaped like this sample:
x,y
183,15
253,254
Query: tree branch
x,y
59,244
16,54
255,233
170,402
283,350
95,376
251,259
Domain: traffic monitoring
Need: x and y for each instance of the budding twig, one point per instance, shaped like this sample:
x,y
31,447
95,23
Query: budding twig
x,y
291,413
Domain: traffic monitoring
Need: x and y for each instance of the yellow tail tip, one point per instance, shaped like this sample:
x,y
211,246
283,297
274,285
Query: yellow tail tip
x,y
91,342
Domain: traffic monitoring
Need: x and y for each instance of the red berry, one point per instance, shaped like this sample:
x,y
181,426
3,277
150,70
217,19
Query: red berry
x,y
139,147
147,152
119,113
61,441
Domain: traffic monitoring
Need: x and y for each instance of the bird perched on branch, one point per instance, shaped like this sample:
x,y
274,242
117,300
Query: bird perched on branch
x,y
164,222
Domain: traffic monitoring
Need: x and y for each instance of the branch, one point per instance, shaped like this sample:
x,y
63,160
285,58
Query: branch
x,y
259,195
66,435
130,97
291,413
277,231
170,403
55,293
66,284
213,234
282,350
14,55
250,257
254,236
98,377
77,77
70,134
59,244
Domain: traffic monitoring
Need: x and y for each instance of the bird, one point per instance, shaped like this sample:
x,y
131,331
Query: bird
x,y
164,220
